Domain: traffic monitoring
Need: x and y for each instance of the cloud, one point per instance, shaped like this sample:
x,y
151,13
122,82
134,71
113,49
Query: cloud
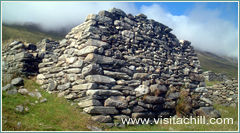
x,y
203,27
54,15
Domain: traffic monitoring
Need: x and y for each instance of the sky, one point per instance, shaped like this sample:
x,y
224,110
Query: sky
x,y
210,26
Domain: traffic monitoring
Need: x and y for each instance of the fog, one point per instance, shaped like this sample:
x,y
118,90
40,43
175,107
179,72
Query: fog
x,y
203,27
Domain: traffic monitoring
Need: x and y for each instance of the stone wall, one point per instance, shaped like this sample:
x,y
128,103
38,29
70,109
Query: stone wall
x,y
20,58
211,76
225,93
118,65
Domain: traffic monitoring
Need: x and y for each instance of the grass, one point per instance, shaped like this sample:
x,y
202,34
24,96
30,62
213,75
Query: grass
x,y
211,83
10,33
55,115
227,112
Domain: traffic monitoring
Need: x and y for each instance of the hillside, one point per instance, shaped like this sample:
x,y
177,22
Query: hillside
x,y
218,64
10,33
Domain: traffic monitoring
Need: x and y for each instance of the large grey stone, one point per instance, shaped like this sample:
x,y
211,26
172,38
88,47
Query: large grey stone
x,y
142,90
140,76
64,86
85,86
174,95
138,109
77,64
93,42
17,81
201,89
153,100
117,101
89,102
206,100
116,75
23,91
73,70
12,91
7,87
92,69
102,118
101,110
103,92
19,108
86,50
100,79
35,94
208,112
156,88
52,85
143,115
99,59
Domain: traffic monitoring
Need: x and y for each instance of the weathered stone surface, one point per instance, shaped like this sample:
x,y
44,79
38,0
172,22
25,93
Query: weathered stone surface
x,y
93,42
208,112
102,118
201,89
92,69
7,87
142,115
118,102
100,79
120,117
153,100
77,64
138,109
12,91
35,94
43,100
85,86
17,81
140,76
99,59
158,89
86,50
64,86
174,95
142,90
71,60
206,100
23,91
89,102
19,108
73,70
116,75
52,85
101,110
103,92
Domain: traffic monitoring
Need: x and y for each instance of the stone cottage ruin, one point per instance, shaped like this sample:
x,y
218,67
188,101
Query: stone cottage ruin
x,y
116,65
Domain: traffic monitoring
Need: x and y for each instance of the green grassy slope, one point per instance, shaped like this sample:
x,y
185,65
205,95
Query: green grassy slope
x,y
10,33
217,64
57,114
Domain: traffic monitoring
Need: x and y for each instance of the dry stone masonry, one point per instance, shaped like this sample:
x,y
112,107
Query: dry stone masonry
x,y
116,65
211,76
225,93
19,57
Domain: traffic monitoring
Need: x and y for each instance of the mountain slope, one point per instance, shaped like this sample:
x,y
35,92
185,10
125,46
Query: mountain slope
x,y
21,33
218,64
